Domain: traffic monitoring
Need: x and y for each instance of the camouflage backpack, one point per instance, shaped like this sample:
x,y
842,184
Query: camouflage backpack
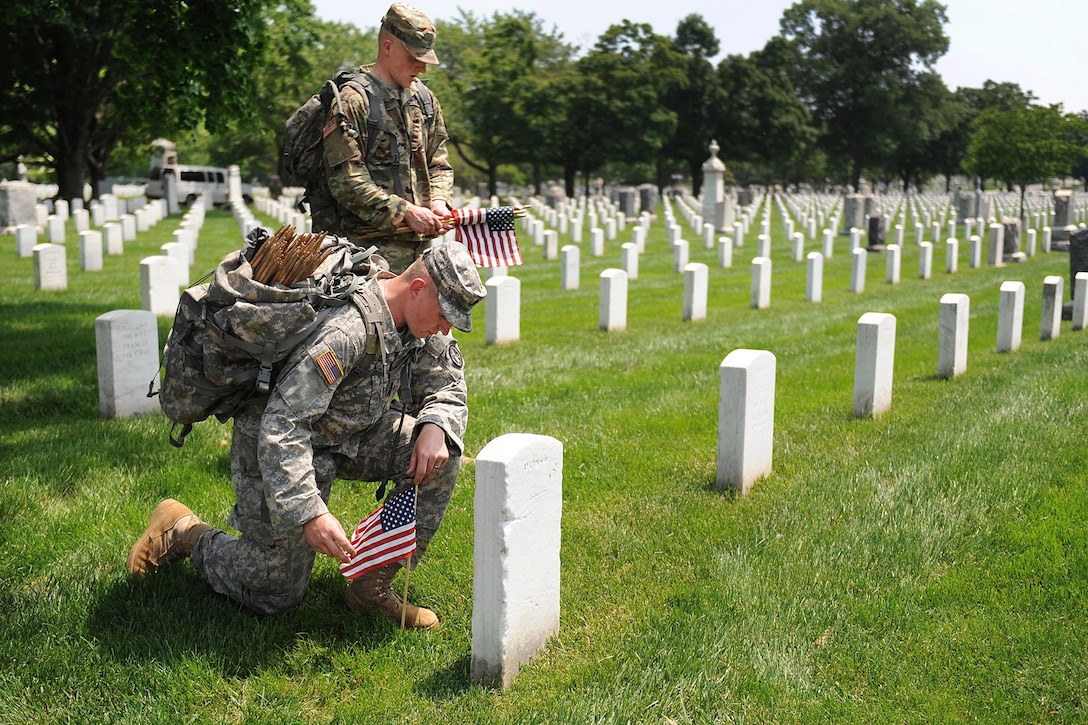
x,y
230,335
305,130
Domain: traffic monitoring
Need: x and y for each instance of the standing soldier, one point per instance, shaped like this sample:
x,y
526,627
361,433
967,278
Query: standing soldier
x,y
388,180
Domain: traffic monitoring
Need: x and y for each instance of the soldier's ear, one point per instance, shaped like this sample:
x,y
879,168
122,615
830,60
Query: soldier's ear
x,y
417,285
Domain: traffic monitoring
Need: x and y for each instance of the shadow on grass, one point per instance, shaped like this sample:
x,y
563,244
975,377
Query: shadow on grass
x,y
447,683
172,615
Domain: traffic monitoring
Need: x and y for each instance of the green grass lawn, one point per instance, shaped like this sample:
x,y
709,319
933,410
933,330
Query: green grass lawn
x,y
926,566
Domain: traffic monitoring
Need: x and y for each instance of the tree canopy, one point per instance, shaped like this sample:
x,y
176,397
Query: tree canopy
x,y
846,90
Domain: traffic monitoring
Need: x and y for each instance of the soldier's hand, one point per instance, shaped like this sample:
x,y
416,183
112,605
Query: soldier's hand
x,y
423,221
325,534
429,454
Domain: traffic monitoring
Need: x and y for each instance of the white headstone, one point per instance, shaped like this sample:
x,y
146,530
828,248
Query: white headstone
x,y
925,260
629,259
725,252
570,267
997,246
829,243
855,238
763,246
81,220
893,262
61,209
951,255
857,270
761,283
679,256
696,279
798,247
1032,242
638,238
1080,304
1051,323
113,238
128,360
874,364
502,308
26,238
613,300
50,267
974,252
159,285
745,418
550,240
187,238
814,279
596,242
610,229
952,338
54,229
516,567
128,227
1010,316
708,236
180,254
90,250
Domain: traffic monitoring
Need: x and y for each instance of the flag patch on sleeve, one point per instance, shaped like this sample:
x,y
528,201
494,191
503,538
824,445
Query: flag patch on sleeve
x,y
329,367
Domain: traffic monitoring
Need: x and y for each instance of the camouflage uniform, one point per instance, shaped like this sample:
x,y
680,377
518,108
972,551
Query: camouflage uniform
x,y
362,200
313,429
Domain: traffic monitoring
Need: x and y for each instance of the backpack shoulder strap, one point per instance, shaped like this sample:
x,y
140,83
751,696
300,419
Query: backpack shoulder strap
x,y
426,99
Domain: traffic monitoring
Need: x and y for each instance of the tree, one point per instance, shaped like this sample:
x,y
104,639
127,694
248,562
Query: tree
x,y
503,80
927,111
763,122
78,77
614,110
1024,146
857,59
991,96
696,100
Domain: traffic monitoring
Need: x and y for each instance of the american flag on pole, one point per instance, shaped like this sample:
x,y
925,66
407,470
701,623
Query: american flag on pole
x,y
489,235
385,536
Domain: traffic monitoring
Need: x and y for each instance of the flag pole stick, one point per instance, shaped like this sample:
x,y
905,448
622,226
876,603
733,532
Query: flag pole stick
x,y
408,566
404,602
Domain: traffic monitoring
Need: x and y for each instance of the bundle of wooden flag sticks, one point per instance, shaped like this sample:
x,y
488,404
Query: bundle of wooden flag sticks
x,y
287,258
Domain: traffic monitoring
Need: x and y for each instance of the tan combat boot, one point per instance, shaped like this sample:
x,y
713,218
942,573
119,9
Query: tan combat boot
x,y
171,534
374,591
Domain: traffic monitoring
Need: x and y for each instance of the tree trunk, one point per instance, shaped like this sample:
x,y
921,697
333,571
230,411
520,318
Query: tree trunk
x,y
570,172
492,178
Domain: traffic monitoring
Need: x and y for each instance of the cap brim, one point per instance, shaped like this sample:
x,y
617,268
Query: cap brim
x,y
456,317
427,55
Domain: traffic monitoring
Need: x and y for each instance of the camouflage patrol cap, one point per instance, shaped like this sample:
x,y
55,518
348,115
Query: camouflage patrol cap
x,y
412,28
459,287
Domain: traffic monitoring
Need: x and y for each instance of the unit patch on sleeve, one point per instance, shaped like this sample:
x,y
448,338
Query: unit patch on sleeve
x,y
329,367
454,353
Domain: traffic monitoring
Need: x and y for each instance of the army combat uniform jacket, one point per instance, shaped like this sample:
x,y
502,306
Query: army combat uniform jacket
x,y
336,386
370,192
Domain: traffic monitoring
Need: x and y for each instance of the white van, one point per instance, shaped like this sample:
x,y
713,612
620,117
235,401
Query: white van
x,y
192,182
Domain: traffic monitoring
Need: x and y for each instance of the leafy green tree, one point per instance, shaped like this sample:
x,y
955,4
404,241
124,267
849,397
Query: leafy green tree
x,y
858,57
78,77
928,111
504,107
991,96
613,107
696,100
763,123
1024,146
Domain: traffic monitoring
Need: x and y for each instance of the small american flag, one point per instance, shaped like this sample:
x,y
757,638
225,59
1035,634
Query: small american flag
x,y
489,235
386,535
